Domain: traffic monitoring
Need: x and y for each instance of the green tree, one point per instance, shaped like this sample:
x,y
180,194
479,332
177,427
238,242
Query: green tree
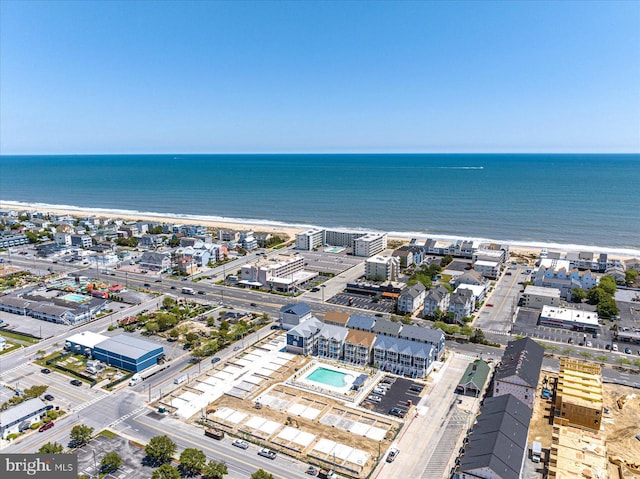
x,y
166,471
597,294
191,337
80,435
478,336
32,237
160,448
174,333
261,474
152,327
35,391
110,462
607,308
192,460
51,448
578,295
168,303
608,284
444,262
215,470
630,276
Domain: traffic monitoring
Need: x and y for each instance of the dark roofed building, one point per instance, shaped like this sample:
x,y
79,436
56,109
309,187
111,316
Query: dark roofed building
x,y
434,337
519,370
291,315
362,323
498,443
387,328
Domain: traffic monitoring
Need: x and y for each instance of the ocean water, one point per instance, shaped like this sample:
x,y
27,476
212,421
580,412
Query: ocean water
x,y
591,200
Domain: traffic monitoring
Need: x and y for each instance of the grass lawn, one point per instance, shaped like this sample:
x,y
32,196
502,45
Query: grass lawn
x,y
445,278
108,434
11,347
19,337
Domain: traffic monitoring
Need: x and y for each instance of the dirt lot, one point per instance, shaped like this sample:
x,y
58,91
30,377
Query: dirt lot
x,y
327,407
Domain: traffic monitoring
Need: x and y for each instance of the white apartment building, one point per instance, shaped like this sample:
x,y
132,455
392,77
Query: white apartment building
x,y
340,237
488,269
281,266
370,244
537,296
382,268
62,239
310,239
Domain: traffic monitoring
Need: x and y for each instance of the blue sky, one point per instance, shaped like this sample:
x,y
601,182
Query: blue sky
x,y
357,76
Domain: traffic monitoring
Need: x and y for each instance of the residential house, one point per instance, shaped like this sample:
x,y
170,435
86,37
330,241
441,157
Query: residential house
x,y
405,255
21,416
471,277
632,263
419,334
8,239
291,315
62,238
303,339
461,304
358,347
557,274
337,318
436,299
617,272
412,298
248,241
488,269
155,261
519,370
386,328
81,240
331,341
151,241
361,323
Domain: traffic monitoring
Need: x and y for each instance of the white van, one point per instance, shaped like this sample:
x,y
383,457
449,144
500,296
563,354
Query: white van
x,y
135,379
180,379
614,347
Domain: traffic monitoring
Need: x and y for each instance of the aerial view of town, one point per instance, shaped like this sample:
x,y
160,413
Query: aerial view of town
x,y
375,239
333,353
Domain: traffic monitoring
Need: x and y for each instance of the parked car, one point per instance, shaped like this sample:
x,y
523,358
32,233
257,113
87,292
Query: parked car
x,y
76,382
48,397
45,370
589,344
173,287
254,305
46,426
489,305
158,281
201,292
215,360
240,443
627,350
393,453
312,471
397,412
379,391
268,453
374,398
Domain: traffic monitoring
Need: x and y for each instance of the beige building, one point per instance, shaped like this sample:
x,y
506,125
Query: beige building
x,y
579,394
382,268
537,296
577,453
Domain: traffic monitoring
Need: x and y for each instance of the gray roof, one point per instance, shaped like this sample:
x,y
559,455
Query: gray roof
x,y
420,334
299,308
307,328
127,346
386,327
331,331
499,439
14,301
364,323
49,308
415,290
461,295
522,358
153,257
404,346
24,409
437,294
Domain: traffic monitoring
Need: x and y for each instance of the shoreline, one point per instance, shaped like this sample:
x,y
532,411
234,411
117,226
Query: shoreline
x,y
217,222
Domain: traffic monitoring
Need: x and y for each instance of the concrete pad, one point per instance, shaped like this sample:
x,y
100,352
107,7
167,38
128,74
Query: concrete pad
x,y
288,433
359,429
270,427
311,413
279,360
304,438
189,396
342,451
358,457
325,446
236,417
253,379
376,433
224,412
243,362
296,409
255,422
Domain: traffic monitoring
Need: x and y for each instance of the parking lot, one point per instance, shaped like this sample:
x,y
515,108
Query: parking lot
x,y
399,392
133,465
334,263
363,302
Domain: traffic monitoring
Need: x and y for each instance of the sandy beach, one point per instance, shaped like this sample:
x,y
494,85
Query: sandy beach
x,y
518,252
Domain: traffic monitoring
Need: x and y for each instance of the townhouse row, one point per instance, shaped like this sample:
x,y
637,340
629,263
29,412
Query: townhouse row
x,y
362,340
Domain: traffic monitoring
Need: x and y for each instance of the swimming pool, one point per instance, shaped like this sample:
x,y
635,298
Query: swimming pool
x,y
76,298
328,377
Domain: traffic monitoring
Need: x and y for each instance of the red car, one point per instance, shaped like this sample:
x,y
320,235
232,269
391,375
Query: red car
x,y
46,426
489,305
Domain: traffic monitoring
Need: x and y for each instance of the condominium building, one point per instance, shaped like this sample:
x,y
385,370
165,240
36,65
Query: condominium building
x,y
358,347
282,266
519,370
537,296
331,341
574,449
370,244
310,239
412,298
382,268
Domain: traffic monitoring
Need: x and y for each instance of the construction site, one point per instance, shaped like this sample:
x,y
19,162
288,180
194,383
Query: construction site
x,y
584,425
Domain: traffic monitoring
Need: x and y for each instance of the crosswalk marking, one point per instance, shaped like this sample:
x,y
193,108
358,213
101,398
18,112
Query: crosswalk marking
x,y
127,416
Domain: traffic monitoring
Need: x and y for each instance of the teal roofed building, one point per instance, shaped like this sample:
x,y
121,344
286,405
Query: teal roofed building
x,y
474,378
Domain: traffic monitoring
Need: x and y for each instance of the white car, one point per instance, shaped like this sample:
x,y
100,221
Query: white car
x,y
589,344
240,443
393,453
374,398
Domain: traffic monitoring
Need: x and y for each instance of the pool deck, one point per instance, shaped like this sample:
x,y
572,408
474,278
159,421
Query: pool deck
x,y
350,377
